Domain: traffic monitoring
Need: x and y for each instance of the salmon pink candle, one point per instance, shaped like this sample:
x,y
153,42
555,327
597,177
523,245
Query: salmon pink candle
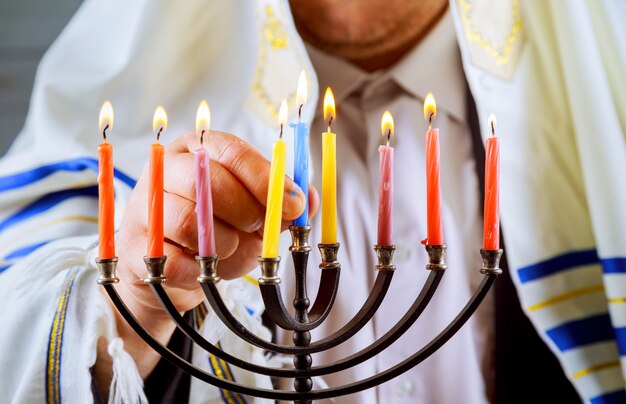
x,y
155,190
106,191
491,231
433,182
385,184
204,202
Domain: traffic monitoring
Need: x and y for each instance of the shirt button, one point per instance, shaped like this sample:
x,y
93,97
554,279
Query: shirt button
x,y
404,388
402,253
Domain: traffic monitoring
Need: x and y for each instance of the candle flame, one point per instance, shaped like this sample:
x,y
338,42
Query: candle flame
x,y
430,108
203,117
386,125
329,106
106,116
493,122
283,113
159,120
301,92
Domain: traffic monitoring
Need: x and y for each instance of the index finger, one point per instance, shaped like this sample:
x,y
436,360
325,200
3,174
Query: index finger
x,y
246,163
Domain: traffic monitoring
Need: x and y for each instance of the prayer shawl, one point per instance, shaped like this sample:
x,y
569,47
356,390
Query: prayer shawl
x,y
552,72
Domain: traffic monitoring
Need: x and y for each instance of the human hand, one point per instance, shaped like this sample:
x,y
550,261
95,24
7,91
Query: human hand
x,y
239,183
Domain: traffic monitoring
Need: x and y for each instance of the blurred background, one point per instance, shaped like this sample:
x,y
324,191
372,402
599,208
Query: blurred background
x,y
27,28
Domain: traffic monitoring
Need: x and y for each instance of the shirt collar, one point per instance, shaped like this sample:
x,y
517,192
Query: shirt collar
x,y
340,75
434,65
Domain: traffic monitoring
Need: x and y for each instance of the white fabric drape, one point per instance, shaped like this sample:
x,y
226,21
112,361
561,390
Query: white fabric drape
x,y
562,116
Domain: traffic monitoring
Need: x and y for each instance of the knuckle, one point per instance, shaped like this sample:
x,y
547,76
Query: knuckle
x,y
186,221
229,244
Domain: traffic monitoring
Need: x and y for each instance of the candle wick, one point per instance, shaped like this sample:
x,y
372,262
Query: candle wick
x,y
388,136
104,132
280,135
159,133
300,111
430,119
330,121
493,129
201,137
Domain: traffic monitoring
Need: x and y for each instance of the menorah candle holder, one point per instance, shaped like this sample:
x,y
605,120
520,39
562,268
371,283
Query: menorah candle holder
x,y
305,318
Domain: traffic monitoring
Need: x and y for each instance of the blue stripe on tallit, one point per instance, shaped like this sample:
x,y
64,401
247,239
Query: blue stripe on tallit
x,y
620,336
614,265
23,251
47,202
558,264
615,397
75,165
582,332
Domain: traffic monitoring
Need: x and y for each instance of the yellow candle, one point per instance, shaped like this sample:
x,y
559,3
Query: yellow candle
x,y
275,192
329,174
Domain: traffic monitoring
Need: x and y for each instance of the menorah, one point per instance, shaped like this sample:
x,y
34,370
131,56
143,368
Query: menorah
x,y
305,319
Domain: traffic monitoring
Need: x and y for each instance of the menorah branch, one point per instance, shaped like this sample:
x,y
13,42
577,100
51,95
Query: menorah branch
x,y
363,316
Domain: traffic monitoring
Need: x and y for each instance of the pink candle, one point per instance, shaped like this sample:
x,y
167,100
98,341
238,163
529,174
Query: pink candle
x,y
204,201
491,231
204,204
385,184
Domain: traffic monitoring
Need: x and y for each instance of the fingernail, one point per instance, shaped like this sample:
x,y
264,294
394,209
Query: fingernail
x,y
294,200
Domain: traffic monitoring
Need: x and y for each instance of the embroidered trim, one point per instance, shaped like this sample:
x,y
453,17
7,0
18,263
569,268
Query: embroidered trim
x,y
501,53
55,344
200,314
274,38
222,370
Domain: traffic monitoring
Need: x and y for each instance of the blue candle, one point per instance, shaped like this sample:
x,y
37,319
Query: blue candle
x,y
301,152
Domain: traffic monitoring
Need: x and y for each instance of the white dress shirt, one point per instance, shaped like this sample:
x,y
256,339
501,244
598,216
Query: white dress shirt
x,y
458,372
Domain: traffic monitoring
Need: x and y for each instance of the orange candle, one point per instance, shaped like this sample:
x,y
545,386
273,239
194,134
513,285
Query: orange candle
x,y
433,182
491,231
106,192
155,191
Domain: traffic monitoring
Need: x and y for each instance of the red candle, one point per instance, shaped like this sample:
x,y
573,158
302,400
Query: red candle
x,y
385,184
204,201
491,235
433,182
106,192
155,190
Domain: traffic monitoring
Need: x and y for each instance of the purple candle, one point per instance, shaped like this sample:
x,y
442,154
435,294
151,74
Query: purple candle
x,y
385,184
204,201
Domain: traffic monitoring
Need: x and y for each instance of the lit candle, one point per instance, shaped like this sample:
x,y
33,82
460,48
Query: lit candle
x,y
155,190
276,189
329,174
106,191
204,201
385,184
433,182
301,155
491,235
